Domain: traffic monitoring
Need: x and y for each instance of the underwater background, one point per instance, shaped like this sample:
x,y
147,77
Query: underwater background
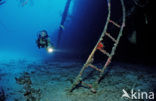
x,y
28,73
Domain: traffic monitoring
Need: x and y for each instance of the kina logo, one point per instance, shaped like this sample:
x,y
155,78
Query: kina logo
x,y
137,94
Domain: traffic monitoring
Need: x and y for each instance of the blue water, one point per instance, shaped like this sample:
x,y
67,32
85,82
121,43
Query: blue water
x,y
52,74
19,25
21,20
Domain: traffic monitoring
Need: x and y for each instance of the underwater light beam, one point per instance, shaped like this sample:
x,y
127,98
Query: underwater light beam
x,y
50,49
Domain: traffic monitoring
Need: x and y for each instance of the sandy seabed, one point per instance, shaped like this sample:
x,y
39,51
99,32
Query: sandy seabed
x,y
23,80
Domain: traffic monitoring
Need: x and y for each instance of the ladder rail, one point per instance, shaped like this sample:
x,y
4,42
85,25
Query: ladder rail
x,y
117,41
89,60
121,29
103,33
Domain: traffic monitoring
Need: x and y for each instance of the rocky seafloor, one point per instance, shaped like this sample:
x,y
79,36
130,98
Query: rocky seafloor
x,y
22,80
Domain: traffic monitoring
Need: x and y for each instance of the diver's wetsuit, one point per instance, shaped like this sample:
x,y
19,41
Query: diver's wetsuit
x,y
42,42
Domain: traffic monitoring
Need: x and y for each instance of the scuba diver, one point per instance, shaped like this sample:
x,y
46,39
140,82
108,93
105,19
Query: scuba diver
x,y
43,41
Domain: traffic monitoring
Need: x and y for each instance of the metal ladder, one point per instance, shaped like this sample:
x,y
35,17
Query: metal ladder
x,y
99,46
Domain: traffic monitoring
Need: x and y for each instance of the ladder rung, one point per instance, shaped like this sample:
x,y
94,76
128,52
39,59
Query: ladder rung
x,y
117,25
104,52
113,39
89,85
94,67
